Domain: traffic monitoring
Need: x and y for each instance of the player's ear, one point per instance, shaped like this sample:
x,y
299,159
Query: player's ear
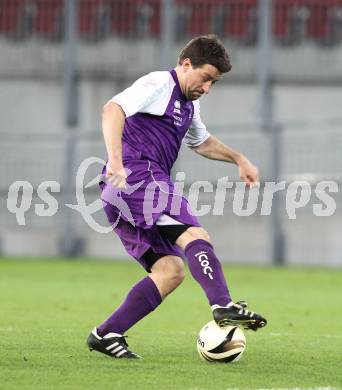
x,y
186,64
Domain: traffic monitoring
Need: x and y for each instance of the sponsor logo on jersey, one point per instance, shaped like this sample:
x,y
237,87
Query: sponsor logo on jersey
x,y
177,112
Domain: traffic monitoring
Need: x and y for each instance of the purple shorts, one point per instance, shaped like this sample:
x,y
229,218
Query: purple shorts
x,y
133,212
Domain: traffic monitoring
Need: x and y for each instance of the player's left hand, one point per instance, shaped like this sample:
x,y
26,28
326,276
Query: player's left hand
x,y
248,172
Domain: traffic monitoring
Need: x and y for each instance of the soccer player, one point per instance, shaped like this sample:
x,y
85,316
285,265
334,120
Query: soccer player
x,y
144,127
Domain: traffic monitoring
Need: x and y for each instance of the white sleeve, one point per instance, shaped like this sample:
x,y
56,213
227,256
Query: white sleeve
x,y
149,94
197,132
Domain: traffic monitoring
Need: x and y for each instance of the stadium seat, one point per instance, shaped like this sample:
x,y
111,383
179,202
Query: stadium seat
x,y
183,13
241,22
94,20
122,13
200,18
324,26
318,22
197,17
335,24
135,18
154,18
290,21
49,22
16,18
218,18
147,18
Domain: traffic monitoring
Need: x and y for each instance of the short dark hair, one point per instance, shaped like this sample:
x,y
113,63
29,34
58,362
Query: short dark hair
x,y
207,49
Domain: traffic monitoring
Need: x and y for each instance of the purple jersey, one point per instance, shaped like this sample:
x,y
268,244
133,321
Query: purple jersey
x,y
158,117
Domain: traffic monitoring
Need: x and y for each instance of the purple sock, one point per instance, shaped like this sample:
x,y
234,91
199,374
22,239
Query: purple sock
x,y
143,298
206,269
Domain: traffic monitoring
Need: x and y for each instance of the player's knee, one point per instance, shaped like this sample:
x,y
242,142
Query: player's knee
x,y
192,234
201,234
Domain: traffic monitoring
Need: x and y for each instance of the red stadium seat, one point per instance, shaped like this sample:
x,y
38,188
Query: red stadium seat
x,y
239,17
94,19
152,17
317,25
290,21
122,13
12,14
322,14
281,12
135,18
49,23
241,22
335,23
183,14
199,15
86,14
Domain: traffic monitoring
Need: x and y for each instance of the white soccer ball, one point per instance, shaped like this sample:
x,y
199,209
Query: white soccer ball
x,y
215,344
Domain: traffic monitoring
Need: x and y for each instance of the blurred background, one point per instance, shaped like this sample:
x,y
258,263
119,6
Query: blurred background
x,y
61,60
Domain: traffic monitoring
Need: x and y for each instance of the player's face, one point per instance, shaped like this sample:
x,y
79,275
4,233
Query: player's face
x,y
198,81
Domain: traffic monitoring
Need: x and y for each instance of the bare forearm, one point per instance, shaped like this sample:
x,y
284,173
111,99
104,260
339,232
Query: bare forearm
x,y
113,120
214,149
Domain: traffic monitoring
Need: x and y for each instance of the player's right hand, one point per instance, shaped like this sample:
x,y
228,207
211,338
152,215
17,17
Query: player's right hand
x,y
116,174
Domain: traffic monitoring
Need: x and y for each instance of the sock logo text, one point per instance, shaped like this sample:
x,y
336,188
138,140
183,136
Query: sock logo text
x,y
204,261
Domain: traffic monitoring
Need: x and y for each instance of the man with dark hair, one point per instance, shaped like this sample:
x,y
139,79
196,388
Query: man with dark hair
x,y
143,128
206,50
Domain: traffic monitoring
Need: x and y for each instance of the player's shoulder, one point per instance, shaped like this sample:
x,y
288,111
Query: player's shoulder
x,y
160,75
157,78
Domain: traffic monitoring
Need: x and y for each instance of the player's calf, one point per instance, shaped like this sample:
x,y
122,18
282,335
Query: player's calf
x,y
167,274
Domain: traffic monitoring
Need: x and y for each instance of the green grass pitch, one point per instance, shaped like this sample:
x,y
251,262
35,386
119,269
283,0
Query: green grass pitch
x,y
49,307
